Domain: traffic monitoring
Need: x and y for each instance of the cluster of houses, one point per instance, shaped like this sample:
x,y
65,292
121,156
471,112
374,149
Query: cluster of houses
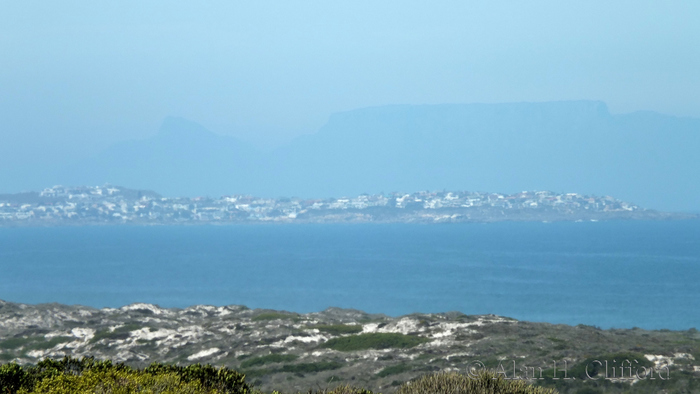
x,y
113,204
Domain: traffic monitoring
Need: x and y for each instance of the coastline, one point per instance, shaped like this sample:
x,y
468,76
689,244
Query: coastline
x,y
361,218
305,345
114,205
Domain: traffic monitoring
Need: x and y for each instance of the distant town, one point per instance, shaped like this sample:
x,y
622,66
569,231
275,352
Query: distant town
x,y
109,204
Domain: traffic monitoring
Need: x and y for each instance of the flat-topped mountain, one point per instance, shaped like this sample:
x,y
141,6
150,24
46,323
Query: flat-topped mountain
x,y
647,158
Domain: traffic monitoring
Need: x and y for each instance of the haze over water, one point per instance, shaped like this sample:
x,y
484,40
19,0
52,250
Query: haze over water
x,y
608,274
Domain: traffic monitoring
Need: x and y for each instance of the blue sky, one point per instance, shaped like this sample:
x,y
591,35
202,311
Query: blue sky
x,y
76,76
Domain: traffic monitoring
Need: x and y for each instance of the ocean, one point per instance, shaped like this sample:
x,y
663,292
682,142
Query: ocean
x,y
618,274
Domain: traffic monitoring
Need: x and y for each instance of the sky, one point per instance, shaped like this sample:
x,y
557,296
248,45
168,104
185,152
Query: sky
x,y
77,76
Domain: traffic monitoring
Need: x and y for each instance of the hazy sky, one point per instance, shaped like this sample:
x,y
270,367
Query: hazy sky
x,y
76,76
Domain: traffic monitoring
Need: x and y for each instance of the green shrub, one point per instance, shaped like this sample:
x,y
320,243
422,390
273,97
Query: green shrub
x,y
578,371
33,343
483,383
48,344
88,375
270,358
6,356
12,378
374,341
298,369
394,370
122,332
311,367
338,329
343,390
49,368
222,379
118,382
14,343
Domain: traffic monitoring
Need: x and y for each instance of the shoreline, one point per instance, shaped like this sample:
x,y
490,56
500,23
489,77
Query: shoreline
x,y
292,351
157,309
115,205
650,217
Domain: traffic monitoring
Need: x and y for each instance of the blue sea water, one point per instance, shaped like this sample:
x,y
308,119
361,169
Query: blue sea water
x,y
607,274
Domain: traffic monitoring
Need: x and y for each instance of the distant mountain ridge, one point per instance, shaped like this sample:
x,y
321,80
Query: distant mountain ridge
x,y
184,158
643,157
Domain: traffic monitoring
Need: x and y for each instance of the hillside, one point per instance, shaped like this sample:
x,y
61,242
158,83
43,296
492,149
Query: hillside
x,y
293,352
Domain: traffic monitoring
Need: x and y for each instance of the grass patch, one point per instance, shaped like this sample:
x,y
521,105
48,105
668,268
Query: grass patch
x,y
256,373
394,370
594,368
485,383
6,356
297,369
14,343
44,344
33,343
366,320
273,316
269,359
374,341
556,340
310,367
122,332
129,327
339,329
696,356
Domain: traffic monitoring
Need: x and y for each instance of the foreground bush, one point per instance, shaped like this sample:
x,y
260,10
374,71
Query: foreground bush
x,y
484,383
340,390
87,375
117,382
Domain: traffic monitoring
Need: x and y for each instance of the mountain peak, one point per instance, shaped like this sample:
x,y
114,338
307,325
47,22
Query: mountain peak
x,y
564,145
180,127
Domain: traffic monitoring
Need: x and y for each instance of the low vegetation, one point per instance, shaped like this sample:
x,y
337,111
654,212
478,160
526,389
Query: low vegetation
x,y
299,369
88,376
339,329
484,383
589,368
292,352
33,343
270,358
122,332
111,381
394,370
374,341
304,368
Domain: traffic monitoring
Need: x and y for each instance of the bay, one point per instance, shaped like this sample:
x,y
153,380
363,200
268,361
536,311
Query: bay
x,y
608,274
